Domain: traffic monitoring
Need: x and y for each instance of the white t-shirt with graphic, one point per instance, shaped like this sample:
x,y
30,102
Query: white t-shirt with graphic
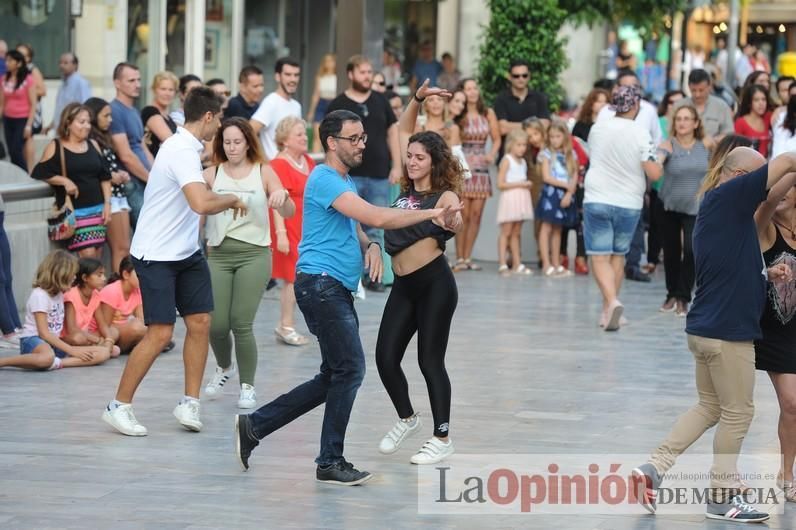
x,y
41,302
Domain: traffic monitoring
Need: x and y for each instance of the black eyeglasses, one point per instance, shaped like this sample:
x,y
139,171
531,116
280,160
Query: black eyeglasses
x,y
381,83
353,139
521,76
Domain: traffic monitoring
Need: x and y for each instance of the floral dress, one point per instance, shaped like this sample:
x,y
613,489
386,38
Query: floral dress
x,y
475,132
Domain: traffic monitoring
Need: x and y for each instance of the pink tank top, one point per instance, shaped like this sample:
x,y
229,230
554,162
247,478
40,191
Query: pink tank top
x,y
17,104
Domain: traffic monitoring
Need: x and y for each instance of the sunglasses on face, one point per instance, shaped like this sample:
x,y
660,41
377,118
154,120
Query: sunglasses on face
x,y
381,83
521,76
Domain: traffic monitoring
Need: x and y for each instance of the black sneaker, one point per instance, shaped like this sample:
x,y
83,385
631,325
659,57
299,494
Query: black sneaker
x,y
271,284
342,473
735,510
637,276
245,442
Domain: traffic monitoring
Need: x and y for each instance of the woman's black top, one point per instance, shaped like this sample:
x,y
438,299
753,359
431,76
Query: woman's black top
x,y
581,130
150,139
776,352
87,170
400,238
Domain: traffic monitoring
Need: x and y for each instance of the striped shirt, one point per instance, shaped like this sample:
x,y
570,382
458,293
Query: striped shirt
x,y
683,172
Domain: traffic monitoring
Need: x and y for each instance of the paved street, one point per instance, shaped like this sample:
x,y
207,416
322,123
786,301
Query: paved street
x,y
531,373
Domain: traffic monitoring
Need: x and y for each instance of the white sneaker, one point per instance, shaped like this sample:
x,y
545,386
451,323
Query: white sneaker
x,y
433,451
187,413
402,430
123,420
216,385
11,341
247,398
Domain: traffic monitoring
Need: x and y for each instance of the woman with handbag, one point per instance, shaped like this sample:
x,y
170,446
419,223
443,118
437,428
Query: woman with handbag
x,y
73,164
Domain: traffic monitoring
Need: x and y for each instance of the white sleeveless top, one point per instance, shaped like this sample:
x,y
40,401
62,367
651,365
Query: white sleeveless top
x,y
327,86
517,172
251,228
782,141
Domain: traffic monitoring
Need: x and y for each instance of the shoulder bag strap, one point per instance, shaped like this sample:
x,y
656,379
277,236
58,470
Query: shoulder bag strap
x,y
67,198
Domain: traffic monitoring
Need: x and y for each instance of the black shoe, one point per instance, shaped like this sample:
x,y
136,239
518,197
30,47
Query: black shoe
x,y
637,276
376,287
342,473
271,284
244,441
168,347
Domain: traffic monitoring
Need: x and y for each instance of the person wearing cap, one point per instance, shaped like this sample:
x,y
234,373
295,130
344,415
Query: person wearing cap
x,y
623,155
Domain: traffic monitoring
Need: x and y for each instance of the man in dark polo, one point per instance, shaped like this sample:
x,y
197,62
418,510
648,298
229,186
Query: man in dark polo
x,y
518,102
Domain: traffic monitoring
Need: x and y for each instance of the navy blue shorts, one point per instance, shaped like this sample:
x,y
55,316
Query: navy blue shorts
x,y
168,285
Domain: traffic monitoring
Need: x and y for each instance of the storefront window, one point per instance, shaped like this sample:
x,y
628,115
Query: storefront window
x,y
406,26
218,41
43,24
175,37
138,35
263,44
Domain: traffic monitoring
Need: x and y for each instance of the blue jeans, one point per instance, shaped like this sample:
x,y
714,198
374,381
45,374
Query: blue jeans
x,y
608,230
135,198
328,309
9,317
377,192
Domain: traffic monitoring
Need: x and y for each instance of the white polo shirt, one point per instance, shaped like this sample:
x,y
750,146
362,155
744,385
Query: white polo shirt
x,y
270,112
168,229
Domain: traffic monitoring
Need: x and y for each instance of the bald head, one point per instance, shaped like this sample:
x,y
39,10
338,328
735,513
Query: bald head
x,y
740,161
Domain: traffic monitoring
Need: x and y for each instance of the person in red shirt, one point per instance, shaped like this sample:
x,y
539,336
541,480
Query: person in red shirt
x,y
754,118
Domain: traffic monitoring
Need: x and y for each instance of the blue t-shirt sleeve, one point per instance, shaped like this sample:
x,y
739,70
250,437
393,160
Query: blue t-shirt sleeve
x,y
118,121
748,191
328,187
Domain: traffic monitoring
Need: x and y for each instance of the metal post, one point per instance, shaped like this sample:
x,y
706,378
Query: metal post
x,y
732,42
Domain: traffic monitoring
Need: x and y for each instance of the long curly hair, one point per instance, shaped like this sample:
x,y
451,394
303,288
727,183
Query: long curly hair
x,y
447,173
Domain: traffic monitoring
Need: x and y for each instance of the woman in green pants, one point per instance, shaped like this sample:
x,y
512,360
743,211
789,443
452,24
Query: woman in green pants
x,y
238,252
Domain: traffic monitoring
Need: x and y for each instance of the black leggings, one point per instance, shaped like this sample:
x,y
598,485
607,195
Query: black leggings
x,y
422,302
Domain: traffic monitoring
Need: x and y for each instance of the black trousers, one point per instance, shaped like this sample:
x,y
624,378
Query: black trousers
x,y
14,129
678,254
422,302
580,248
655,230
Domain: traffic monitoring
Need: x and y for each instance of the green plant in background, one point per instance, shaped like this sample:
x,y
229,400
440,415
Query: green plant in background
x,y
523,29
646,14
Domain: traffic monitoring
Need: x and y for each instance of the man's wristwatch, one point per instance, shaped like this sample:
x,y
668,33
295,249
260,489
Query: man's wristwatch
x,y
373,243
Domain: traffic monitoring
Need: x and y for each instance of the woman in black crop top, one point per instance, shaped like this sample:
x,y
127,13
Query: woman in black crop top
x,y
424,296
776,351
86,180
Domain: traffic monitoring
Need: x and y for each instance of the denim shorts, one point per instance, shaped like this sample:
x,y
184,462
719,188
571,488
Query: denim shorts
x,y
608,230
28,344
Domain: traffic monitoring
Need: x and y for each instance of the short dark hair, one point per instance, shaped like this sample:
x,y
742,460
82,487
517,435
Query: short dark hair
x,y
285,61
699,76
354,61
73,56
389,94
447,55
519,62
783,79
246,71
200,100
625,72
119,68
333,123
604,83
216,81
187,78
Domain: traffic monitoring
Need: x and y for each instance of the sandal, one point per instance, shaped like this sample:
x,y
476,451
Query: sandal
x,y
503,269
290,336
472,266
522,270
460,265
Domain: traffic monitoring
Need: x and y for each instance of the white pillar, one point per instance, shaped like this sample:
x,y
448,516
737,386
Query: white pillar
x,y
156,52
236,42
448,28
473,14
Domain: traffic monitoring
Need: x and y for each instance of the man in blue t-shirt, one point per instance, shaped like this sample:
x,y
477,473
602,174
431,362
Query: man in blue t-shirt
x,y
722,325
328,271
127,133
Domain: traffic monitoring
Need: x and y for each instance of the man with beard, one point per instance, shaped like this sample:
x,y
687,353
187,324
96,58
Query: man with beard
x,y
382,155
327,273
278,104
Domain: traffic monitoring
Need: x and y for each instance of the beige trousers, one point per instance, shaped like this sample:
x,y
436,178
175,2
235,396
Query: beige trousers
x,y
725,381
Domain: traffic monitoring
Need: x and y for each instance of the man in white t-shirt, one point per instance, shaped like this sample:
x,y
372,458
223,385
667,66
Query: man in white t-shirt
x,y
277,105
171,269
621,152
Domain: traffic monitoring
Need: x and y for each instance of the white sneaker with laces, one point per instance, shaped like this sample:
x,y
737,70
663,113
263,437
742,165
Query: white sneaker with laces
x,y
216,385
187,413
247,398
123,420
400,432
433,451
11,341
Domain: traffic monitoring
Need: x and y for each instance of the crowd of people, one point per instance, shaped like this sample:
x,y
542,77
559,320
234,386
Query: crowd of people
x,y
222,192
